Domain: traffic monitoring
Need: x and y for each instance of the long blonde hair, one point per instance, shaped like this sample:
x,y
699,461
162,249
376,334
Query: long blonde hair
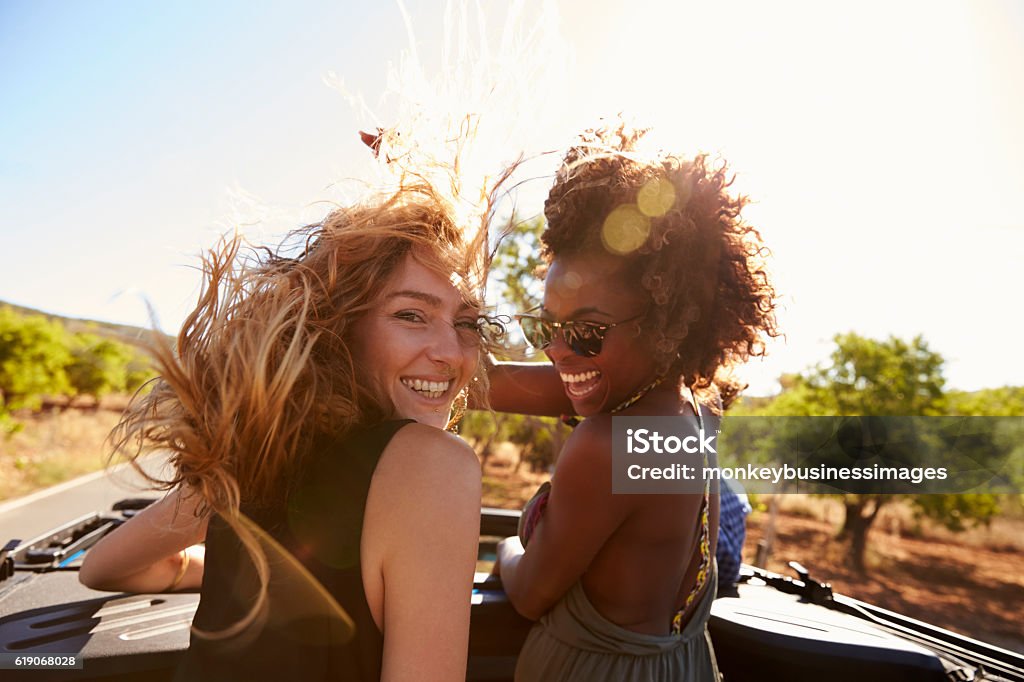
x,y
263,364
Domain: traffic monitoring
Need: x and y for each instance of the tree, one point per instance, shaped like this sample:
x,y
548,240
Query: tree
x,y
138,371
536,438
33,357
98,366
891,377
879,378
1006,401
517,263
515,267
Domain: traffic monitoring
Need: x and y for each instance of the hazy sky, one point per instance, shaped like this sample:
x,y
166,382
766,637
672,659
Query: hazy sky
x,y
881,142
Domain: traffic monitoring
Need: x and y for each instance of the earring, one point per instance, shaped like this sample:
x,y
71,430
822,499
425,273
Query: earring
x,y
458,409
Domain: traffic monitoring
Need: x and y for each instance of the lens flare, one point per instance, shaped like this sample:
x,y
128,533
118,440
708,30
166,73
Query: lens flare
x,y
625,230
656,197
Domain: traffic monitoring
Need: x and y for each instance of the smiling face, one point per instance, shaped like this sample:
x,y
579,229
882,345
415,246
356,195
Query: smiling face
x,y
419,346
596,288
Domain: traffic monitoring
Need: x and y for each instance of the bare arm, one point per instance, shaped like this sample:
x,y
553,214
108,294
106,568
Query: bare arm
x,y
147,552
580,516
422,530
527,388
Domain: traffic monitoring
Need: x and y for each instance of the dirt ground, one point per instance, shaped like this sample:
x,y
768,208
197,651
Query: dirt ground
x,y
971,583
53,446
969,589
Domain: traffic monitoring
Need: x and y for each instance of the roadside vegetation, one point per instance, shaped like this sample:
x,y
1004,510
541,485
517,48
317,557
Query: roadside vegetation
x,y
55,445
63,383
46,363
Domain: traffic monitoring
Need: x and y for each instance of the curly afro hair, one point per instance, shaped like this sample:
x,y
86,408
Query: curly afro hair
x,y
679,229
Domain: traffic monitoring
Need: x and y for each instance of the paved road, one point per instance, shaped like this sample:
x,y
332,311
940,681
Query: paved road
x,y
25,518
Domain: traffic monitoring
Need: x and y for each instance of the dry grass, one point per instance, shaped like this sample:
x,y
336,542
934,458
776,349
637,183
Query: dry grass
x,y
55,446
959,583
60,443
1004,533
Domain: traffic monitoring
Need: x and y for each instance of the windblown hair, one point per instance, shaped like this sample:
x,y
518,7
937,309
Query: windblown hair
x,y
264,364
685,243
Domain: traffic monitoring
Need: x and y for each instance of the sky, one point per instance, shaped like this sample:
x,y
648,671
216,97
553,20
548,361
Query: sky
x,y
879,142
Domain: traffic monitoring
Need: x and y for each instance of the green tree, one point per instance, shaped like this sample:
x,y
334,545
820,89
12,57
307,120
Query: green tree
x,y
139,370
878,378
890,377
98,366
517,263
1006,401
515,270
485,430
537,438
33,356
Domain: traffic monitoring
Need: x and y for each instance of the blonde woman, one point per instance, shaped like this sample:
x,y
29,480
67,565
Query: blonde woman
x,y
307,401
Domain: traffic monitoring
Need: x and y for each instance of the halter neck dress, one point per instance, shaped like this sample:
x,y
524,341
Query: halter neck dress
x,y
573,642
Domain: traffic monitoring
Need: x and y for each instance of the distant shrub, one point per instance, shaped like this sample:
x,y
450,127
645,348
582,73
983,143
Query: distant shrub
x,y
98,366
34,354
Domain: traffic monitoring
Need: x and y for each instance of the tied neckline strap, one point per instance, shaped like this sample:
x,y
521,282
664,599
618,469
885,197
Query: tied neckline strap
x,y
633,399
573,421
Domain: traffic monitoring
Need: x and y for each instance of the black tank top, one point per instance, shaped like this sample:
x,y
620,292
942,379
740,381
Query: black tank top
x,y
297,637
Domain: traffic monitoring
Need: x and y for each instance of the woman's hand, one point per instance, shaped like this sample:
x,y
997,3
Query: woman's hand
x,y
581,514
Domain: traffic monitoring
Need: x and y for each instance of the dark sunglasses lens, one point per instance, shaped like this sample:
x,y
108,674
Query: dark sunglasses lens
x,y
582,340
536,331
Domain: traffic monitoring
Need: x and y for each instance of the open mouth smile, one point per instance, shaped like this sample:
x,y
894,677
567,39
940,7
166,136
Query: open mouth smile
x,y
581,384
427,389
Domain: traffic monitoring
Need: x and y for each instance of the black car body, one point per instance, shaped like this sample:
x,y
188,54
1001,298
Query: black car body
x,y
769,627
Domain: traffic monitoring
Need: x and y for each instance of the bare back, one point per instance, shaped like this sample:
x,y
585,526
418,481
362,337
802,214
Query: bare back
x,y
645,569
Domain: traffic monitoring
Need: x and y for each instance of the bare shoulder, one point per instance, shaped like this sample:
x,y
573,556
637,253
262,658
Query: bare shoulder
x,y
416,446
589,445
429,437
425,479
422,521
584,467
421,458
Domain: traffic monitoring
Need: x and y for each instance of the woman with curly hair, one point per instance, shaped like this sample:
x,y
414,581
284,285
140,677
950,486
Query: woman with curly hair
x,y
654,290
304,410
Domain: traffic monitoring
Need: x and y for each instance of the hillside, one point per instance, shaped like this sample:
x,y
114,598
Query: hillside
x,y
120,332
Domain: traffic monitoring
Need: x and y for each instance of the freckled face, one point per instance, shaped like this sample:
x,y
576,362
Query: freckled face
x,y
419,346
595,288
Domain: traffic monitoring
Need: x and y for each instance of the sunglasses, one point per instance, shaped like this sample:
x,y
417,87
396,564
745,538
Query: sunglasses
x,y
583,338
